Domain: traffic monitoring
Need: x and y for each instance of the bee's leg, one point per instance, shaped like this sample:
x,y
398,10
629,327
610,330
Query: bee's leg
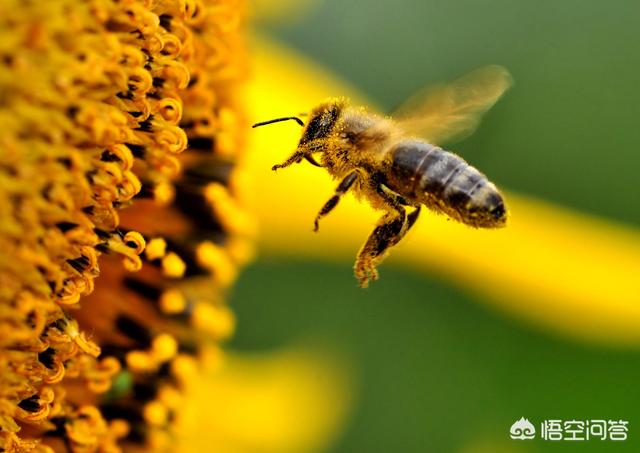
x,y
397,199
296,157
390,229
312,161
374,250
342,188
411,219
299,154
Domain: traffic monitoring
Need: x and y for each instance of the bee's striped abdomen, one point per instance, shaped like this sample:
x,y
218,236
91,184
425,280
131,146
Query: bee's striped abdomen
x,y
433,170
459,182
446,183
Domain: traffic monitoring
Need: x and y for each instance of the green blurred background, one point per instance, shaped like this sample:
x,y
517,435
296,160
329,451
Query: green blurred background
x,y
438,371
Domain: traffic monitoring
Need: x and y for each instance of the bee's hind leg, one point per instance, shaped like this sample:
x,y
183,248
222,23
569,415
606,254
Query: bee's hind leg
x,y
397,202
342,188
392,227
375,249
411,220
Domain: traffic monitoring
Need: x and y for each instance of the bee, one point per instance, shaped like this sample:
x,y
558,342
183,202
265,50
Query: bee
x,y
395,164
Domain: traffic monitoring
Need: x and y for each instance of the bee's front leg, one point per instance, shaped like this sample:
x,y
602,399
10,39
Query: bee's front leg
x,y
301,153
296,157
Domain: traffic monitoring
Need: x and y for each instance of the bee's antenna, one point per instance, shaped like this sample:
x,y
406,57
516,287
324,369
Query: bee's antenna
x,y
277,120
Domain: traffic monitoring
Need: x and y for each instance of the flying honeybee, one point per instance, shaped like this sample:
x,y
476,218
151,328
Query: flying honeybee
x,y
394,164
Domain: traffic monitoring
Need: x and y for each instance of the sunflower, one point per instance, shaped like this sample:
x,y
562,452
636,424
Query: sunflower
x,y
121,130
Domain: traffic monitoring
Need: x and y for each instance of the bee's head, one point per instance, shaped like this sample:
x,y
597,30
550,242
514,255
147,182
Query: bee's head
x,y
322,121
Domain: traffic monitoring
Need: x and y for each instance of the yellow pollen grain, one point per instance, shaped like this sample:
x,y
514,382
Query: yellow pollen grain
x,y
173,266
241,250
164,347
156,413
119,428
164,194
156,248
170,397
140,361
172,301
228,211
214,258
219,321
184,367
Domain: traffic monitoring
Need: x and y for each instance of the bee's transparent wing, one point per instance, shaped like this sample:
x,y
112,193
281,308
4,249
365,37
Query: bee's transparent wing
x,y
451,112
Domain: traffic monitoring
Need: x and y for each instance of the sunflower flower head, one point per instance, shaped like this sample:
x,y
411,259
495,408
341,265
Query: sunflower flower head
x,y
121,127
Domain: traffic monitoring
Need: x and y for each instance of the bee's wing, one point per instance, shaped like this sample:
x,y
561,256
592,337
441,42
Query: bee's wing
x,y
451,112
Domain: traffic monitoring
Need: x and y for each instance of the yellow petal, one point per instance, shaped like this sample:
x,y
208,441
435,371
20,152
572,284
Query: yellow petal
x,y
569,272
288,401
